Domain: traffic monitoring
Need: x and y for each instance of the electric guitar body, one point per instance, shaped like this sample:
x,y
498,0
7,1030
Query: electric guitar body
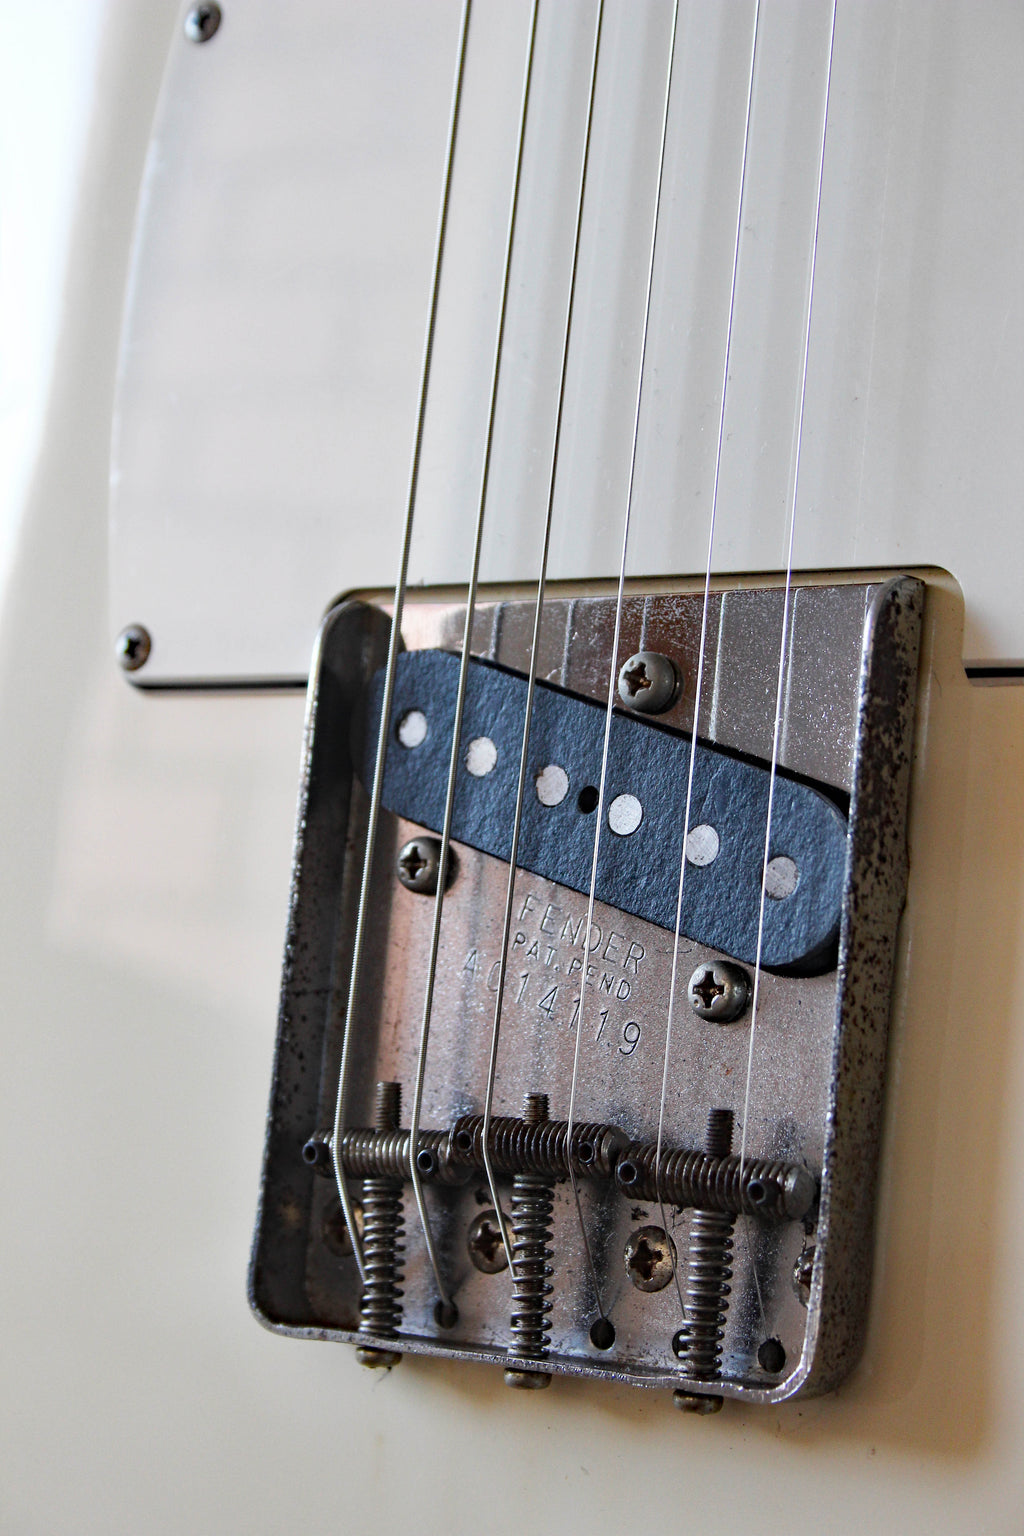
x,y
575,449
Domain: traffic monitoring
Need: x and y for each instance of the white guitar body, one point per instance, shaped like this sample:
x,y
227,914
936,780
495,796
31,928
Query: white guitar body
x,y
147,836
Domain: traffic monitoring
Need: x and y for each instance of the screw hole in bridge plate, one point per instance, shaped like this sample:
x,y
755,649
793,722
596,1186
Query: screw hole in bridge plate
x,y
587,799
771,1357
602,1333
446,1314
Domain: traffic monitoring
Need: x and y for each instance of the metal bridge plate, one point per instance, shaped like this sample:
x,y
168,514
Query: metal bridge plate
x,y
800,1206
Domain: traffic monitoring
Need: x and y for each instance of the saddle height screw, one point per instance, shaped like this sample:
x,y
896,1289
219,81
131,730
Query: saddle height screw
x,y
719,991
419,864
649,682
698,1344
380,1310
532,1203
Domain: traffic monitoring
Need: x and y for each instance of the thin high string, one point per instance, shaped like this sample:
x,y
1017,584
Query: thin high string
x,y
534,647
394,642
613,670
787,602
737,240
460,701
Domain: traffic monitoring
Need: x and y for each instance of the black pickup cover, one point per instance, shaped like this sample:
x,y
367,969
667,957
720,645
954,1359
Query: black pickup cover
x,y
638,873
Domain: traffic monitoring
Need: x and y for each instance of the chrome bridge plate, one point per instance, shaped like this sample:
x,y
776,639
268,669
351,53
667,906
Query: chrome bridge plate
x,y
795,1312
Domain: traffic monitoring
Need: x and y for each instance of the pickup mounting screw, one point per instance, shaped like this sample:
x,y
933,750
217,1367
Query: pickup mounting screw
x,y
380,1310
202,22
532,1201
133,647
719,991
650,1258
419,863
648,682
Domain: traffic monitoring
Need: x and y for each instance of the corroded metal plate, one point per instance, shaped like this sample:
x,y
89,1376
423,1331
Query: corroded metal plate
x,y
814,1090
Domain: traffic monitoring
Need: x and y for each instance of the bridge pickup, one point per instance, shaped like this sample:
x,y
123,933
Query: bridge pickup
x,y
645,793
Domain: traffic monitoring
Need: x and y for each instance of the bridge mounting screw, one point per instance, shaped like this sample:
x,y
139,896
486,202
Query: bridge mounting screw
x,y
132,647
380,1310
719,991
202,22
532,1201
698,1344
419,864
486,1249
649,682
650,1258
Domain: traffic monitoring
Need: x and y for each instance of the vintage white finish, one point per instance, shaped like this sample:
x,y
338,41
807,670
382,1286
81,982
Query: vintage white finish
x,y
281,272
146,847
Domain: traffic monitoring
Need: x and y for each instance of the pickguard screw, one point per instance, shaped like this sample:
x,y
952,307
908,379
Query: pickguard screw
x,y
419,863
202,22
380,1310
532,1202
649,682
132,647
485,1245
719,991
650,1258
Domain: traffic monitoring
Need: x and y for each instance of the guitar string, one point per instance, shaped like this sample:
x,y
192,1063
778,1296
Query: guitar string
x,y
460,701
534,648
786,610
699,686
616,637
394,642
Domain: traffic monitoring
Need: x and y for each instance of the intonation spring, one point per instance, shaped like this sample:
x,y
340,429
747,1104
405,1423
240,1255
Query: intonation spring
x,y
532,1203
698,1343
380,1311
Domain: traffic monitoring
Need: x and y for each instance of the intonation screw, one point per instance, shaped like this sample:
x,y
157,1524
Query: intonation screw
x,y
202,22
532,1203
648,682
719,991
698,1344
380,1310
